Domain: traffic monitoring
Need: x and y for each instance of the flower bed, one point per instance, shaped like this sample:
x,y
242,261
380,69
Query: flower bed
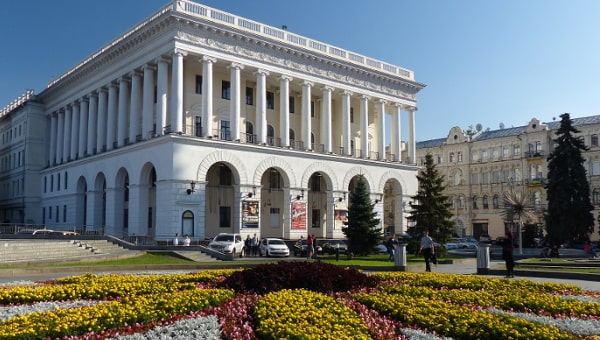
x,y
297,300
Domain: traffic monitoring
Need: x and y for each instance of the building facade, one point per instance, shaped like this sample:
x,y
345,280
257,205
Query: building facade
x,y
480,166
197,121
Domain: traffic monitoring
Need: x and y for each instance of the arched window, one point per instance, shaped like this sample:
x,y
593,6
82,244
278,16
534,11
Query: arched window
x,y
292,138
270,134
451,157
187,223
475,204
496,202
250,138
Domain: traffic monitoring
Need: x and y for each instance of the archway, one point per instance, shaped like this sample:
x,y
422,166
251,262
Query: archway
x,y
220,200
273,201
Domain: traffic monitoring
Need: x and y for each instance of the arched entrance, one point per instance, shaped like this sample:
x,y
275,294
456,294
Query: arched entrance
x,y
220,201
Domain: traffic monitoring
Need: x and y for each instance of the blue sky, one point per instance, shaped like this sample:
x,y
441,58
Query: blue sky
x,y
486,62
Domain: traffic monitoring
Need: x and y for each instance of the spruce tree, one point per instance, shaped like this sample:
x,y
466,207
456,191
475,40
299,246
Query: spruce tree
x,y
430,208
569,216
362,231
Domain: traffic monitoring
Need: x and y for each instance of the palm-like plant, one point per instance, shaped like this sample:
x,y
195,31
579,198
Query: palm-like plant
x,y
519,209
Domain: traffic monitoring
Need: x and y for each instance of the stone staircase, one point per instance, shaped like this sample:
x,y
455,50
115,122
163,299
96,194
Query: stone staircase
x,y
196,256
24,251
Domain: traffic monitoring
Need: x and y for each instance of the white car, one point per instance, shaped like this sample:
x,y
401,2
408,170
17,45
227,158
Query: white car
x,y
227,243
273,247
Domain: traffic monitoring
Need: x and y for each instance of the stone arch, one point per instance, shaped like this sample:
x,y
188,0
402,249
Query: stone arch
x,y
287,172
390,174
358,171
238,169
323,168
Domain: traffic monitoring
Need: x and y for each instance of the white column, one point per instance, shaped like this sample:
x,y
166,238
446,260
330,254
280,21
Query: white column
x,y
161,93
84,112
67,133
60,130
207,95
284,110
364,126
261,105
92,127
346,135
52,146
74,130
102,118
326,119
412,146
123,113
136,107
111,119
306,114
236,100
396,139
177,95
381,129
148,102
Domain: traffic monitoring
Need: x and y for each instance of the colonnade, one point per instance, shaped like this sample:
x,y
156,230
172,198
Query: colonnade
x,y
127,110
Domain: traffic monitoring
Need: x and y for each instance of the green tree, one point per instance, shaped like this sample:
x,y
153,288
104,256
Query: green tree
x,y
362,231
569,216
430,208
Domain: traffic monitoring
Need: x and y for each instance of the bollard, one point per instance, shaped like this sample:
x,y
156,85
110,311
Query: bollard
x,y
337,254
400,257
483,259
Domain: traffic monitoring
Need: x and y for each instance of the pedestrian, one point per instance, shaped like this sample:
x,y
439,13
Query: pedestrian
x,y
187,241
254,245
176,239
309,247
507,253
587,248
247,251
391,246
427,249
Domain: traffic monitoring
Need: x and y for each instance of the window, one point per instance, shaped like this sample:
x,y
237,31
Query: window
x,y
495,153
57,217
474,178
596,196
249,96
505,152
312,109
594,140
484,155
315,183
225,89
475,206
274,179
485,178
270,100
58,181
459,156
439,159
49,212
316,218
198,84
225,130
45,183
485,202
66,181
51,183
516,150
461,202
291,103
351,115
224,175
198,126
292,137
595,168
496,202
225,217
64,214
451,157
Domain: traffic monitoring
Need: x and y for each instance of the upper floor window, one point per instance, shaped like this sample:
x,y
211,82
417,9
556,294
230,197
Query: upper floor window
x,y
312,109
249,96
474,178
484,155
495,153
198,84
594,140
291,104
505,151
225,89
475,204
516,150
496,202
270,100
351,115
459,156
451,156
596,196
485,202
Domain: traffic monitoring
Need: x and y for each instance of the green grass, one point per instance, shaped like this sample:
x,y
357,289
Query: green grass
x,y
145,259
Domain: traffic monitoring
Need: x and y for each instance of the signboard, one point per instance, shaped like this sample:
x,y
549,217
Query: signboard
x,y
298,215
341,218
250,214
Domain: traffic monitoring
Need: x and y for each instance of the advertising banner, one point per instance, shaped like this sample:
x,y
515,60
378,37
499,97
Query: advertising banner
x,y
298,215
250,214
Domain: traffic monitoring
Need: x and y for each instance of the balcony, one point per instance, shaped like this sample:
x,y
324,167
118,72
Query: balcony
x,y
535,181
534,154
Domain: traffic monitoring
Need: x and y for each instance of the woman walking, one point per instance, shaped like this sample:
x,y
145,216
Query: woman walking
x,y
507,253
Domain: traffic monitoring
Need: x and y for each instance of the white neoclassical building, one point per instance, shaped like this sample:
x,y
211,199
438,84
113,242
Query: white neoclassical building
x,y
198,121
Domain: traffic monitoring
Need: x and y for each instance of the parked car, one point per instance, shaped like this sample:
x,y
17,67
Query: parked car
x,y
485,238
332,246
227,243
300,248
273,247
380,249
471,244
457,243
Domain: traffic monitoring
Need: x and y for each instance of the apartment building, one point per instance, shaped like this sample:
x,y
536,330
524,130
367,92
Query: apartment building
x,y
197,121
480,165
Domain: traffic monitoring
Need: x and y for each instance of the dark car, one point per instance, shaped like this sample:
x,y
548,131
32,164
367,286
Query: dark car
x,y
300,248
332,246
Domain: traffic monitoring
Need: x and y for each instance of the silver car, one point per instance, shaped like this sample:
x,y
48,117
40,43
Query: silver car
x,y
273,247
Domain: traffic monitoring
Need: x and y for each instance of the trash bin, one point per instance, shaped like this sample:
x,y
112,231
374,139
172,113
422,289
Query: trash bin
x,y
483,259
400,257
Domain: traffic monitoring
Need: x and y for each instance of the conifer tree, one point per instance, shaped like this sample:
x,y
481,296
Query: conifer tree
x,y
362,231
569,216
430,208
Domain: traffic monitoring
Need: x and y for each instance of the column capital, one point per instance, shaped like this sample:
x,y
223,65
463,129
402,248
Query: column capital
x,y
208,59
124,79
346,93
262,71
148,67
381,101
235,65
308,83
180,52
161,59
286,77
111,84
398,106
84,98
327,88
365,97
135,73
92,94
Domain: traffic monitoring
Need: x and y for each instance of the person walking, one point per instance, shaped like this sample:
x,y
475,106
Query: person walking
x,y
507,253
427,249
247,251
309,247
391,246
254,245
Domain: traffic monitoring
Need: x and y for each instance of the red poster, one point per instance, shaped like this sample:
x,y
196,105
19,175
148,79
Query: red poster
x,y
298,215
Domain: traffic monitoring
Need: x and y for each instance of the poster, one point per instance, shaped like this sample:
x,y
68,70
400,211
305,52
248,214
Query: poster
x,y
298,215
341,218
250,214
